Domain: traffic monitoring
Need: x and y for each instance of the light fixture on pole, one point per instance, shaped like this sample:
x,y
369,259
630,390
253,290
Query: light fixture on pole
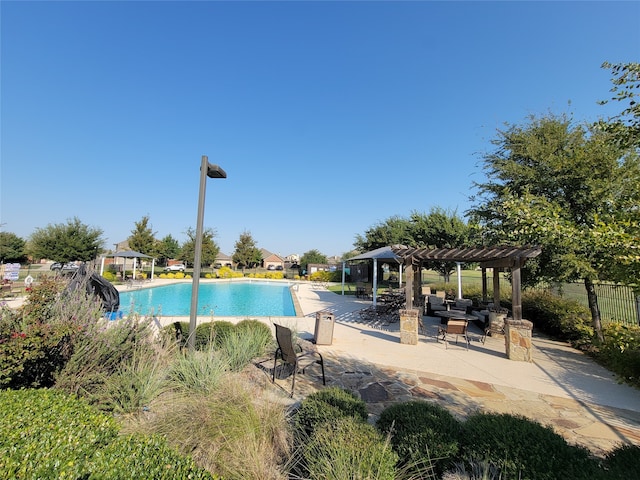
x,y
211,171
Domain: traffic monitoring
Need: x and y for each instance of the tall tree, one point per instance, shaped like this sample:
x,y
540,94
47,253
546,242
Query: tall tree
x,y
66,242
394,230
246,253
142,237
439,228
166,249
210,248
312,256
12,248
560,186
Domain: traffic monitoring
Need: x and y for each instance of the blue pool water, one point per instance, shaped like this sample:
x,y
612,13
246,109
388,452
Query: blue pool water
x,y
233,299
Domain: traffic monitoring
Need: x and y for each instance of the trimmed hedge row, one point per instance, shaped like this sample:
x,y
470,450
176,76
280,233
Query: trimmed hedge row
x,y
48,434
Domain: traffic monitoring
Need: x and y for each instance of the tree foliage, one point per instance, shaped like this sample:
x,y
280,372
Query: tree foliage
x,y
66,242
567,188
312,256
12,248
439,228
210,248
246,253
625,127
142,237
167,248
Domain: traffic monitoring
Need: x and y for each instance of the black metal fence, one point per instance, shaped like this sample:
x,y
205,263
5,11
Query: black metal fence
x,y
617,303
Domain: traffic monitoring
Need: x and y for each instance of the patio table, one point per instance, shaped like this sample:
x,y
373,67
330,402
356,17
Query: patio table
x,y
446,315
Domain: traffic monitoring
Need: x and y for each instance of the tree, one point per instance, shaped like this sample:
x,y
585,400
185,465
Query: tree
x,y
439,228
246,254
166,249
312,256
560,186
12,248
210,249
625,127
142,237
395,230
66,242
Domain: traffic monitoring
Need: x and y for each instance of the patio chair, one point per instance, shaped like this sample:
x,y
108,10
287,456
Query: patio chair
x,y
463,304
299,360
455,327
435,304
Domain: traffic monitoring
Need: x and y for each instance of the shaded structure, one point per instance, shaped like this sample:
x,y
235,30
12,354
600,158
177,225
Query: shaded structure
x,y
497,258
124,254
382,254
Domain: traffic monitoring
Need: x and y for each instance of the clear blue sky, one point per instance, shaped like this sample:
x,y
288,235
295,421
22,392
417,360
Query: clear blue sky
x,y
328,117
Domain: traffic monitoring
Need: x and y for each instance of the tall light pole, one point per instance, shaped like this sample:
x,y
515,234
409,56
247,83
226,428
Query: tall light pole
x,y
211,171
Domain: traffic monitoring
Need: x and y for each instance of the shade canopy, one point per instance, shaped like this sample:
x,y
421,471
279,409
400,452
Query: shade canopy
x,y
382,254
128,254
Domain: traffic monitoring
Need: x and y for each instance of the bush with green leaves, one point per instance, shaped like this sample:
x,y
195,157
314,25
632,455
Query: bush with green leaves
x,y
556,316
241,345
178,332
422,433
328,404
105,351
139,457
37,340
257,328
620,351
525,449
347,447
623,462
48,434
215,332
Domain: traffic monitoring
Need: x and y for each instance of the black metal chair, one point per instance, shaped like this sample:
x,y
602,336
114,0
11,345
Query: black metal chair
x,y
300,360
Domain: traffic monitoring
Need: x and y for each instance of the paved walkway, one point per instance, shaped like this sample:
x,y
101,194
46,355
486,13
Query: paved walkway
x,y
562,387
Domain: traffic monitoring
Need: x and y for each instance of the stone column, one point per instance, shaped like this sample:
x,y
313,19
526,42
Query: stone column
x,y
518,340
409,326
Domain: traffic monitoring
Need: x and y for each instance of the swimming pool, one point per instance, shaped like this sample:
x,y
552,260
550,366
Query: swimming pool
x,y
229,299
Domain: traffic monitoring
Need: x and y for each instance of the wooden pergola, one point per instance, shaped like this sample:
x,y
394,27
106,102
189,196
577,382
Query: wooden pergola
x,y
497,258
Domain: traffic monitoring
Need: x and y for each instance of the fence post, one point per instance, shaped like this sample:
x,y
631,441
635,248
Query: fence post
x,y
638,308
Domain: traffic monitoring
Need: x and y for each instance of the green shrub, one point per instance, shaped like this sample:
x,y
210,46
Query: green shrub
x,y
102,351
327,404
561,318
48,434
523,448
143,457
421,433
259,329
347,447
178,332
241,345
212,332
620,351
38,340
197,371
623,462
